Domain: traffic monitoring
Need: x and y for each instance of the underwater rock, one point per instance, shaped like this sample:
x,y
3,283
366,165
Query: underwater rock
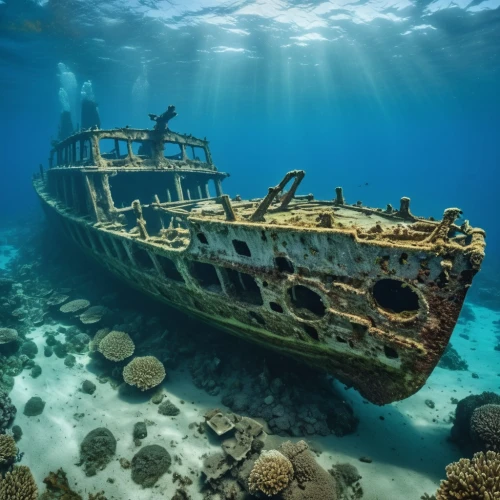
x,y
140,430
36,371
79,343
461,432
70,361
29,348
168,409
48,351
7,411
34,407
149,464
17,432
451,360
157,398
88,387
97,450
60,350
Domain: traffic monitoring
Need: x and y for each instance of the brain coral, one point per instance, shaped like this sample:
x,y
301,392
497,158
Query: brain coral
x,y
476,479
485,426
74,306
8,335
144,372
93,315
8,449
116,346
270,474
18,485
461,432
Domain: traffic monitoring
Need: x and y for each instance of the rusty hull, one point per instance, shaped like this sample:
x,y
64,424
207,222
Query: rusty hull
x,y
370,296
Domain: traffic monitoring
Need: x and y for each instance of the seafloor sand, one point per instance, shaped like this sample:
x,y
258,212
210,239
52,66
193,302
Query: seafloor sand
x,y
407,441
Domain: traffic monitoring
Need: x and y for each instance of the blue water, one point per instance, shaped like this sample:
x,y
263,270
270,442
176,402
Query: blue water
x,y
387,99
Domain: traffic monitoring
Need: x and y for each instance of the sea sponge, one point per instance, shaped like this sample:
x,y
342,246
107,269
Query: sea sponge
x,y
8,449
271,473
478,478
19,485
8,335
98,337
144,372
93,315
74,306
116,346
485,426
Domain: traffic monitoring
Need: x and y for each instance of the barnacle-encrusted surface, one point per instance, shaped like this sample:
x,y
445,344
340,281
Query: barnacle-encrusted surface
x,y
271,473
476,479
93,315
116,346
144,372
74,306
8,449
485,425
18,485
7,335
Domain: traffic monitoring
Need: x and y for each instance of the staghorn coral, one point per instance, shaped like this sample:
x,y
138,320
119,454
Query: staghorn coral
x,y
271,473
476,479
18,485
116,346
93,315
144,372
74,306
8,449
98,337
485,426
8,335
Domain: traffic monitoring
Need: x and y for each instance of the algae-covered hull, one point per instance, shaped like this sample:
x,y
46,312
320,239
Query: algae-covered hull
x,y
370,296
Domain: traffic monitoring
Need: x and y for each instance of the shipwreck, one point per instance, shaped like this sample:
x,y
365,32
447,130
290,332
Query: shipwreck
x,y
368,295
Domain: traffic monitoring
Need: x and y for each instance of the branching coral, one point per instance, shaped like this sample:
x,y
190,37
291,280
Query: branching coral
x,y
271,473
8,449
98,337
144,372
19,485
476,479
116,346
485,426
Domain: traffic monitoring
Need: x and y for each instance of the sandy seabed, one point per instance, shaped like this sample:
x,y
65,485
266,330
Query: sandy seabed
x,y
407,440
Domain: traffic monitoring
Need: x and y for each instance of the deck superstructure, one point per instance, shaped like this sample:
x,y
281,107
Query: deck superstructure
x,y
369,295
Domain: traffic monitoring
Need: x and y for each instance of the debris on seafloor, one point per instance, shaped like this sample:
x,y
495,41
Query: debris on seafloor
x,y
289,472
